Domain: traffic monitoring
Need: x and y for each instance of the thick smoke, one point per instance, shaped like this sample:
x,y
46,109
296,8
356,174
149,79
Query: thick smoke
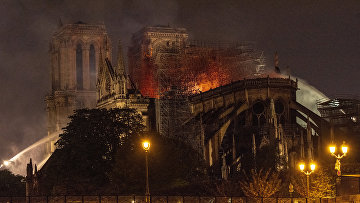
x,y
308,96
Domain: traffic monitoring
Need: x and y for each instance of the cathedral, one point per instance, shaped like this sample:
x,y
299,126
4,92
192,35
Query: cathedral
x,y
114,88
82,76
216,96
74,54
164,67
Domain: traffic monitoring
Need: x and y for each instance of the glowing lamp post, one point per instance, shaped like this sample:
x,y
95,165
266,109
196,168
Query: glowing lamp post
x,y
307,173
146,146
291,190
344,150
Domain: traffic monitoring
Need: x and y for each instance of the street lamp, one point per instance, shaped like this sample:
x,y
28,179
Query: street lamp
x,y
344,150
307,173
291,190
146,146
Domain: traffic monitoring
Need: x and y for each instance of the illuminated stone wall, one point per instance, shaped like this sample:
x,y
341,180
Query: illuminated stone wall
x,y
74,54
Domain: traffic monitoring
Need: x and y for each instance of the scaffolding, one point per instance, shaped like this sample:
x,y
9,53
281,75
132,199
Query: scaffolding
x,y
341,111
197,68
172,108
169,67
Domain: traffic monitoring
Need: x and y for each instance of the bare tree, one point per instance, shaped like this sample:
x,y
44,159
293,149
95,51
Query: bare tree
x,y
322,184
261,184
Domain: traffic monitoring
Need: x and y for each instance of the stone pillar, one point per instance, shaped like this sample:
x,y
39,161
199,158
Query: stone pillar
x,y
97,62
67,67
86,68
202,137
233,139
62,64
72,67
55,69
210,152
29,179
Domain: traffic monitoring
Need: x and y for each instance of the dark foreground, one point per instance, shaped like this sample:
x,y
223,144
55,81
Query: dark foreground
x,y
161,199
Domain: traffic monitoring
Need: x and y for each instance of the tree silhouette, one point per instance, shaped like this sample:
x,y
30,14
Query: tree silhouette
x,y
10,184
173,168
86,150
100,152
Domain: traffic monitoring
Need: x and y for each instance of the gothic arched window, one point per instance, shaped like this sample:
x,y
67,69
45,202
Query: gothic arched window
x,y
258,114
79,67
92,67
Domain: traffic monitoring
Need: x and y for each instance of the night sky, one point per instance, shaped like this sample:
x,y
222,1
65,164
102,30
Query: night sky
x,y
318,40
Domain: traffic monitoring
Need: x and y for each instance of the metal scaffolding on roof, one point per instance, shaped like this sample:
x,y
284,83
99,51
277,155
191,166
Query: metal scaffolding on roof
x,y
195,69
341,111
165,65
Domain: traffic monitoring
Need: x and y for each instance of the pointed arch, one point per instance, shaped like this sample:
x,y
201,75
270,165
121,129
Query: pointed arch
x,y
79,67
92,67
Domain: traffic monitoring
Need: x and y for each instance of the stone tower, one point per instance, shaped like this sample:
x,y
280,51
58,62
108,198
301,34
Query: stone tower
x,y
74,53
146,44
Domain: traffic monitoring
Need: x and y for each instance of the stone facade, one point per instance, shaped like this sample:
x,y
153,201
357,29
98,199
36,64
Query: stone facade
x,y
82,76
114,89
74,53
248,115
146,44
